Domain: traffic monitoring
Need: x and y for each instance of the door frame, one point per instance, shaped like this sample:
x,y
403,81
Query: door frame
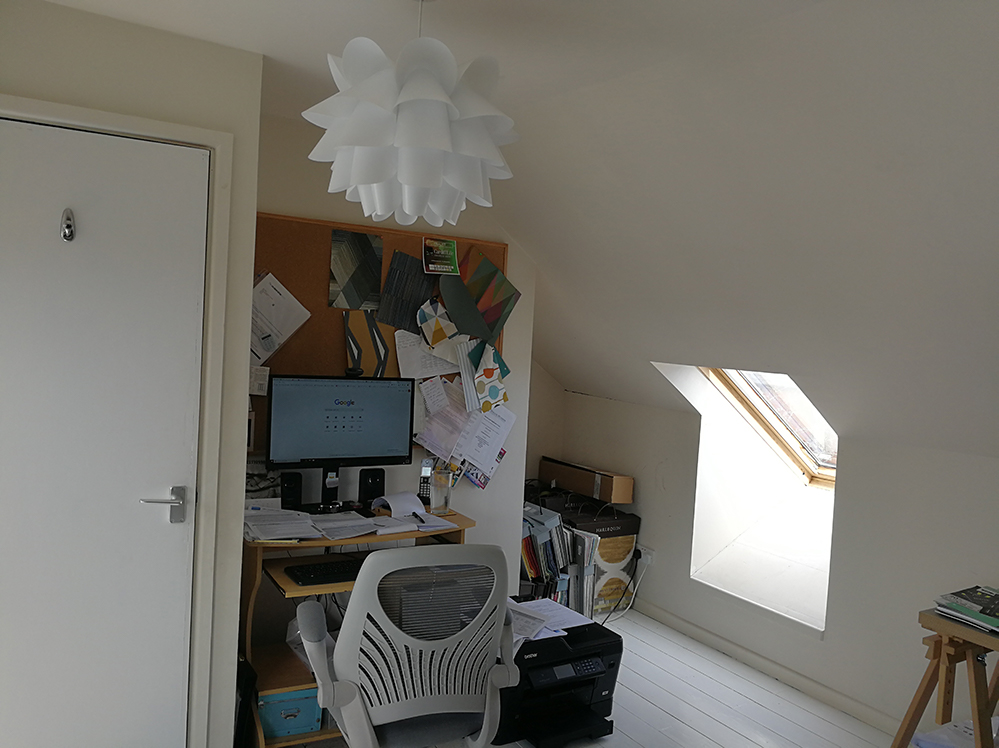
x,y
219,146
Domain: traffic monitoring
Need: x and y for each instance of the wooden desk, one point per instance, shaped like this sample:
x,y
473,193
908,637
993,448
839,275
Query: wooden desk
x,y
951,643
278,668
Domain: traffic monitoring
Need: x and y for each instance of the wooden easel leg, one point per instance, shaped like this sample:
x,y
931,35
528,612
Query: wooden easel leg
x,y
981,714
994,690
945,696
922,696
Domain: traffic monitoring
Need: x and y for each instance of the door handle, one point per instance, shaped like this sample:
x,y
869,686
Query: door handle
x,y
177,503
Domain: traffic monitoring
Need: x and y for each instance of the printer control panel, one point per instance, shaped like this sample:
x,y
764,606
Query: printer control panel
x,y
583,668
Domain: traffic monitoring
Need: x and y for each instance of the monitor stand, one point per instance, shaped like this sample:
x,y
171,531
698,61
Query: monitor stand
x,y
329,493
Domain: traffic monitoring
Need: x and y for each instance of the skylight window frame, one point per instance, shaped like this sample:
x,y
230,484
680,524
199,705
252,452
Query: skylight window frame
x,y
773,431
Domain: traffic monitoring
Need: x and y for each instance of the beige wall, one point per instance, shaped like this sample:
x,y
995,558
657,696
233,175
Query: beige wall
x,y
546,419
909,524
290,184
54,54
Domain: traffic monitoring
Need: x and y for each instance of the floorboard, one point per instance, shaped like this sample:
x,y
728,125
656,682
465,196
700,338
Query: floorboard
x,y
674,692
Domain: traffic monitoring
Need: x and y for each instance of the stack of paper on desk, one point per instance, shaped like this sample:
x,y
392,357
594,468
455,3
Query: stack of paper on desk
x,y
344,525
431,522
541,619
278,524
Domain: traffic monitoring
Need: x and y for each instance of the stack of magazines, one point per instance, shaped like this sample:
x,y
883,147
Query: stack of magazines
x,y
976,606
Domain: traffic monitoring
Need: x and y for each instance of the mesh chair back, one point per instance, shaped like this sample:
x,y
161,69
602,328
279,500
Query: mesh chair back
x,y
422,630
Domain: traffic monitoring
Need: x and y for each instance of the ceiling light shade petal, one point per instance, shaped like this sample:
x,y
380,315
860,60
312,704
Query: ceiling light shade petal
x,y
430,55
418,139
421,85
362,58
373,165
421,167
423,124
380,89
369,125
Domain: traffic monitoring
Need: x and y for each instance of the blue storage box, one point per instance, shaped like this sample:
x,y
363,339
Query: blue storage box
x,y
289,713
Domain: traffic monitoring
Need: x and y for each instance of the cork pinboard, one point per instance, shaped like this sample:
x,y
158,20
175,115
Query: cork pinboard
x,y
297,252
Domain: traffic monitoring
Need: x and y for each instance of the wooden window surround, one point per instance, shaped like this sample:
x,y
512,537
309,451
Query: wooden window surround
x,y
776,434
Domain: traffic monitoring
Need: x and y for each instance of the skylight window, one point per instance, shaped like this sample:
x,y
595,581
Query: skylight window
x,y
785,417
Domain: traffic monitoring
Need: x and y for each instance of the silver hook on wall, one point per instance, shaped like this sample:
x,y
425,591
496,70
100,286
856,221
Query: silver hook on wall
x,y
67,227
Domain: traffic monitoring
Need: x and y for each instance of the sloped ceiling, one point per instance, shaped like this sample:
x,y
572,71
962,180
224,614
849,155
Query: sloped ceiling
x,y
785,185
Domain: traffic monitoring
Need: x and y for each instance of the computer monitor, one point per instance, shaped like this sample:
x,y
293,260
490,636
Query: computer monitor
x,y
333,422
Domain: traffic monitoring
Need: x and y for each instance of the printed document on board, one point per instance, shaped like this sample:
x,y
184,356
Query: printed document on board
x,y
275,316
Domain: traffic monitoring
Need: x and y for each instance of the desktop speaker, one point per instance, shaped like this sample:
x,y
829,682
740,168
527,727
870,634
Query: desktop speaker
x,y
370,485
291,491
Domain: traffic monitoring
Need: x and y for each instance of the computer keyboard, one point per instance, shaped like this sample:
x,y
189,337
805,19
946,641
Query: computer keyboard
x,y
325,572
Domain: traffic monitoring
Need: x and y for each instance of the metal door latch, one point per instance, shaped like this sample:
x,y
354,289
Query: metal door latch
x,y
177,503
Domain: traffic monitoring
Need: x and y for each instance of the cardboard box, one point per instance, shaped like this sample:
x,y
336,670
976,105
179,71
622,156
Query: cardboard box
x,y
599,484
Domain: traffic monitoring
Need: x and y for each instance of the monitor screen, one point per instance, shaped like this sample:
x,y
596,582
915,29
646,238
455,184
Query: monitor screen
x,y
334,421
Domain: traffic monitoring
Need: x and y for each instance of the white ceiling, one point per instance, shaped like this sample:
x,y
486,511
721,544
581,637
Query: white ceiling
x,y
788,185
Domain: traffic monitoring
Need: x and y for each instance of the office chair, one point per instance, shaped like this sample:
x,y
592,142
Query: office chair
x,y
415,661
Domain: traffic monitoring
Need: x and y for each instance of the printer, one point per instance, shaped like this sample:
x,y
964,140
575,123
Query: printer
x,y
566,688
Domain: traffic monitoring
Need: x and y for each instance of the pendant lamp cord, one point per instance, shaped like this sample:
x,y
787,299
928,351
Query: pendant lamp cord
x,y
419,30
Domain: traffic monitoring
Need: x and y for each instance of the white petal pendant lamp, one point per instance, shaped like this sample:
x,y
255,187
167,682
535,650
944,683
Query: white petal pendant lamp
x,y
414,139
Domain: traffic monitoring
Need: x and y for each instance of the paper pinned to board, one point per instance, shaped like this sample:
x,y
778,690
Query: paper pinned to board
x,y
275,317
467,370
259,377
355,270
483,437
433,394
489,387
415,359
443,429
434,323
406,288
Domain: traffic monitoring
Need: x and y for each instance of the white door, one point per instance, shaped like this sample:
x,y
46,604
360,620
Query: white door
x,y
100,375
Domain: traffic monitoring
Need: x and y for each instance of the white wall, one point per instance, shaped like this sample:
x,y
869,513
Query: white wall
x,y
290,184
55,54
909,524
739,476
546,416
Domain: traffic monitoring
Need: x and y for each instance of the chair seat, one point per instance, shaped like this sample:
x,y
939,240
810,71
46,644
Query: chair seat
x,y
428,730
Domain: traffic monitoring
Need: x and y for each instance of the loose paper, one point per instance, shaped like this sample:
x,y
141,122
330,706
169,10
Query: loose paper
x,y
275,316
259,376
443,428
415,359
402,504
480,477
558,616
525,622
483,437
434,395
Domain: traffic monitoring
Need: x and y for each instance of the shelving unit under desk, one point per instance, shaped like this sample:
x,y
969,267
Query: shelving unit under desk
x,y
278,668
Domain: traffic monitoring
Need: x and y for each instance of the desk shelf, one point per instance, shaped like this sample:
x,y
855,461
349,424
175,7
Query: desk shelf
x,y
276,569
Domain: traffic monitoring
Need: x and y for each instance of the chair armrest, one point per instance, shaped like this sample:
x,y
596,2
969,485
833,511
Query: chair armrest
x,y
507,674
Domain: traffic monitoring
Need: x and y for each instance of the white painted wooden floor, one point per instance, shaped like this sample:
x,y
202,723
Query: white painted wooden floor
x,y
674,692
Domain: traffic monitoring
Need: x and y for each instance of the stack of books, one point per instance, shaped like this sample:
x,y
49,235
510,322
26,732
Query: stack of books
x,y
976,606
545,555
